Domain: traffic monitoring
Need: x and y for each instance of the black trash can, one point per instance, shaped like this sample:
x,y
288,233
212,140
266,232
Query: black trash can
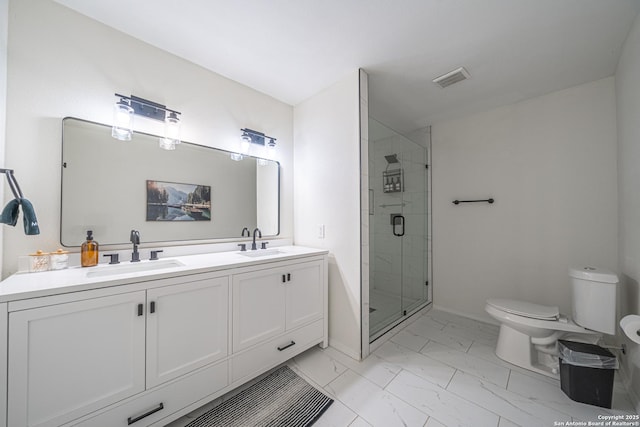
x,y
586,372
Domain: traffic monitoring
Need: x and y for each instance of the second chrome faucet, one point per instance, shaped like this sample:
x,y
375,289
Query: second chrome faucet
x,y
135,239
253,245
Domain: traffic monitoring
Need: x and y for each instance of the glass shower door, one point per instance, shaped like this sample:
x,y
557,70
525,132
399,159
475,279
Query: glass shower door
x,y
398,228
415,226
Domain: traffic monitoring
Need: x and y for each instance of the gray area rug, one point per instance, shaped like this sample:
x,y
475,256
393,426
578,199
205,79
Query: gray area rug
x,y
280,399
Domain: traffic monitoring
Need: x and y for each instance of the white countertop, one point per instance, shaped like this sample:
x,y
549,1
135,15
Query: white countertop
x,y
30,285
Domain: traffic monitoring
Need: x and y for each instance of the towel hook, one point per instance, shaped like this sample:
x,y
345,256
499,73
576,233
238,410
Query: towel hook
x,y
13,183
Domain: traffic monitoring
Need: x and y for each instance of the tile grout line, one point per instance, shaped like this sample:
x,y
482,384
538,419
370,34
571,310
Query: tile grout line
x,y
451,379
422,348
335,396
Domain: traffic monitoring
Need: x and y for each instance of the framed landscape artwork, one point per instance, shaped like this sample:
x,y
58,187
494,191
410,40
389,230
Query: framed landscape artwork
x,y
173,201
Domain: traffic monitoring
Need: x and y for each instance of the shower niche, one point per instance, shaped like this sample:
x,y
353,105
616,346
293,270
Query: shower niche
x,y
393,175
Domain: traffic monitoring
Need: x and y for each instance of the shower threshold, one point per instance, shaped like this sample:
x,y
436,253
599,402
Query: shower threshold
x,y
399,322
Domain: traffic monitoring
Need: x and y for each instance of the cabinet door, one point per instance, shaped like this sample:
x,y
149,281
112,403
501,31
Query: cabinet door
x,y
186,327
258,306
69,359
305,296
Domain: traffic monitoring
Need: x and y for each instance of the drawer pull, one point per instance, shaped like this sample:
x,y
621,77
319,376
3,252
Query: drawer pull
x,y
152,307
130,420
284,278
288,277
292,343
140,309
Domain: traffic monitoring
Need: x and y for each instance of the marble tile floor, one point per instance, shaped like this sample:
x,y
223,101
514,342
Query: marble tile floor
x,y
441,370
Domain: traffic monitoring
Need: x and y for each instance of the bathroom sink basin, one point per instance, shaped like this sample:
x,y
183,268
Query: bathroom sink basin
x,y
261,252
111,270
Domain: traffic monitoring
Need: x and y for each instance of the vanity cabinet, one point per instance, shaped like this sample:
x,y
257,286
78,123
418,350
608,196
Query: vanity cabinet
x,y
268,302
147,351
66,360
271,307
187,327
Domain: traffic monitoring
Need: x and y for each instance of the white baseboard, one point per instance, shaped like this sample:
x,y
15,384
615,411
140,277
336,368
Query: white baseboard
x,y
344,349
467,315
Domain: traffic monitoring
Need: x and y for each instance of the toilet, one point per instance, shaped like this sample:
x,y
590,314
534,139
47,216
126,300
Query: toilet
x,y
529,332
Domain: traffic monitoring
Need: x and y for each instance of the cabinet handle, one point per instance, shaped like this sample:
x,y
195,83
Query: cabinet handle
x,y
292,343
152,307
140,309
284,278
132,420
288,277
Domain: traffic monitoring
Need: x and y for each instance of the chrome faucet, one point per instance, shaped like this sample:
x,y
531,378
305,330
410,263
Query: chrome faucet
x,y
253,245
135,239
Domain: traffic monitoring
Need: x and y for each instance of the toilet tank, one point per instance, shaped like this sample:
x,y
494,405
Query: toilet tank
x,y
594,298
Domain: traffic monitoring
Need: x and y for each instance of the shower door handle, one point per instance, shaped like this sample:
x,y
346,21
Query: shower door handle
x,y
398,221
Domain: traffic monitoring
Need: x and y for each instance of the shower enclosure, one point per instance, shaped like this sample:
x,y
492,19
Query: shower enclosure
x,y
399,227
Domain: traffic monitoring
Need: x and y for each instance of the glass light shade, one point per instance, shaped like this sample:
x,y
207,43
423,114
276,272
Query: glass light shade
x,y
236,157
172,128
167,144
271,145
245,143
122,121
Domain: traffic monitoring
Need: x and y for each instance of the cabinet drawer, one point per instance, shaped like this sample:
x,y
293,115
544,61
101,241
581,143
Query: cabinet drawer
x,y
267,355
171,398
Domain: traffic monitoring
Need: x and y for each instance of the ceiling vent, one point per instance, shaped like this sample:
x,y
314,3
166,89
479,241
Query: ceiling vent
x,y
455,76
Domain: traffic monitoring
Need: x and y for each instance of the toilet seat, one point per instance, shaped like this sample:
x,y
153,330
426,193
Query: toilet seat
x,y
535,328
526,309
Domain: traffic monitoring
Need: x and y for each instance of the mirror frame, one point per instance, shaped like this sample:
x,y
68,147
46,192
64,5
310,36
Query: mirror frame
x,y
174,241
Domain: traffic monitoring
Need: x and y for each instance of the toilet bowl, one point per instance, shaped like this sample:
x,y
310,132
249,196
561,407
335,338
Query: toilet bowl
x,y
529,332
528,338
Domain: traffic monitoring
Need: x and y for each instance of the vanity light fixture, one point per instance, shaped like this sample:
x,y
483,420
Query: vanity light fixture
x,y
127,106
250,136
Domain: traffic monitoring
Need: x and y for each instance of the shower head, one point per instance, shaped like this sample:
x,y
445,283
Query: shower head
x,y
393,158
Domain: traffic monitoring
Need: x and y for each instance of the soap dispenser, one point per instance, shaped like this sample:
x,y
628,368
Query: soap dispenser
x,y
89,251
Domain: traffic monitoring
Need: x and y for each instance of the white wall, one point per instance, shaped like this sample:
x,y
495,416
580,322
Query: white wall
x,y
327,191
550,164
61,63
628,116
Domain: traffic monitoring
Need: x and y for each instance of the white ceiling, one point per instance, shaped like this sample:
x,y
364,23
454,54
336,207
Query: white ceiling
x,y
292,49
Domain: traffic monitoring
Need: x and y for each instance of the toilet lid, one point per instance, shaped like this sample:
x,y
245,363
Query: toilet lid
x,y
527,309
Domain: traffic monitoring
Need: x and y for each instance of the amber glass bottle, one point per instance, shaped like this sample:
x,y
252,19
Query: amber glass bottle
x,y
89,251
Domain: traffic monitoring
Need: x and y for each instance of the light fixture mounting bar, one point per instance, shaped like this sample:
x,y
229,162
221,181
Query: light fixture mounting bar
x,y
258,138
146,108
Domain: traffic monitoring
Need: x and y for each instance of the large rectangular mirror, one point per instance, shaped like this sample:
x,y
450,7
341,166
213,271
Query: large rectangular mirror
x,y
192,193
